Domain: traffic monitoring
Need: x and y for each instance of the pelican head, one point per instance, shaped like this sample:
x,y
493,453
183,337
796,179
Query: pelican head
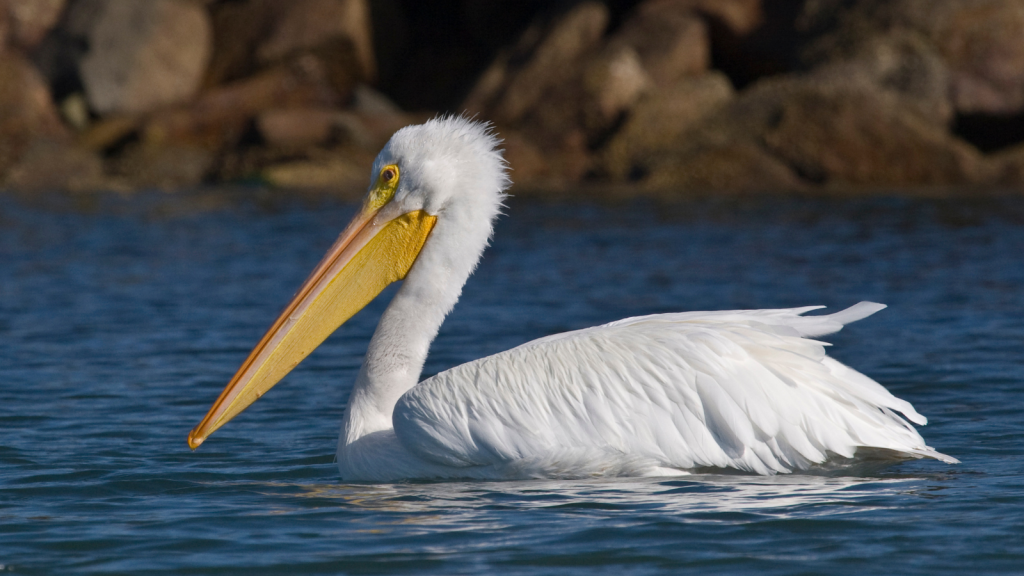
x,y
434,191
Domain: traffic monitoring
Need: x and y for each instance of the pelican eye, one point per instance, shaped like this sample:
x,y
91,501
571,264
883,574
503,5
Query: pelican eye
x,y
384,190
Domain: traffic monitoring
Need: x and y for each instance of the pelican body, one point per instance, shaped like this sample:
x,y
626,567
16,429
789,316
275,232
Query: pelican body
x,y
655,395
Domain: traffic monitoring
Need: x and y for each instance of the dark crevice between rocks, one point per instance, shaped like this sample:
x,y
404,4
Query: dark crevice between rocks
x,y
769,50
990,133
429,53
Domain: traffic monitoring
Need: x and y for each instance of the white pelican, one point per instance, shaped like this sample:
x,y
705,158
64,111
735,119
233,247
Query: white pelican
x,y
654,395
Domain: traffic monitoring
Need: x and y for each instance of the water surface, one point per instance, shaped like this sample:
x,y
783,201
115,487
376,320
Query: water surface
x,y
122,319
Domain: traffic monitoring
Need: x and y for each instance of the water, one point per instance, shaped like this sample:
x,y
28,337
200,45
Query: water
x,y
121,320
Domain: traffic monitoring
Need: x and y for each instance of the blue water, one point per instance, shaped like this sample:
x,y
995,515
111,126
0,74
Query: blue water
x,y
122,319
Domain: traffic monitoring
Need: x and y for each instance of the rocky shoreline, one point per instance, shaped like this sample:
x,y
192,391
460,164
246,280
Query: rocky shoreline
x,y
654,97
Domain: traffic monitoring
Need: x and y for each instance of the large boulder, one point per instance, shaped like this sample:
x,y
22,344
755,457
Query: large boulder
x,y
658,120
254,34
306,24
143,54
979,41
669,38
826,129
983,43
612,82
733,166
864,138
901,62
559,89
547,56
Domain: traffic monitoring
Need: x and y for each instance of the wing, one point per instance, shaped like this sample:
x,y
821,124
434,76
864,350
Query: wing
x,y
745,389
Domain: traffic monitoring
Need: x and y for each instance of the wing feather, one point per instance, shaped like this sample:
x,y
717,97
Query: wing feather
x,y
742,389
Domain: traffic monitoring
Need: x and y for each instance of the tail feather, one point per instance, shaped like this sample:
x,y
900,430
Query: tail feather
x,y
814,326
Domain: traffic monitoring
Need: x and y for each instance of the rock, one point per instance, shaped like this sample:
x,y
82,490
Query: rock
x,y
108,133
55,165
658,119
326,173
548,55
979,41
738,166
5,25
297,127
238,28
900,62
739,17
222,115
669,39
824,130
612,83
306,24
144,54
170,167
558,90
862,138
30,20
27,112
75,111
1008,166
372,118
255,34
525,160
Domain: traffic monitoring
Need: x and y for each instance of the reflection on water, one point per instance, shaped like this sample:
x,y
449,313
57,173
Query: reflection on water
x,y
778,495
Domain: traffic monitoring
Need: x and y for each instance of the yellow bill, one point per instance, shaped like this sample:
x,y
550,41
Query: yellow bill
x,y
368,256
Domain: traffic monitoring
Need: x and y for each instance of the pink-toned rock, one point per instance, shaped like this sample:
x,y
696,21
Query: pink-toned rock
x,y
30,20
144,54
305,24
27,112
670,40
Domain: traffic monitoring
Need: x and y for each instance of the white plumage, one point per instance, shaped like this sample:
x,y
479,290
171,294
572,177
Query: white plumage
x,y
656,395
644,396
